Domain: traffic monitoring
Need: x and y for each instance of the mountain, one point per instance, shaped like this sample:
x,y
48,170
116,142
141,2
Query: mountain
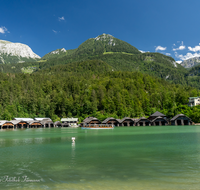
x,y
191,62
120,55
16,53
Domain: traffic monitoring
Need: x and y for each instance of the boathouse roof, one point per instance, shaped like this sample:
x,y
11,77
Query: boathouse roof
x,y
179,115
15,122
88,119
40,118
2,122
127,118
119,120
57,123
141,118
157,113
23,119
69,119
109,118
159,117
45,121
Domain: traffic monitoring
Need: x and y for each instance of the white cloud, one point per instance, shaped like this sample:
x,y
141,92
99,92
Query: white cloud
x,y
195,49
181,47
61,18
168,54
142,51
55,31
160,48
187,56
3,30
179,62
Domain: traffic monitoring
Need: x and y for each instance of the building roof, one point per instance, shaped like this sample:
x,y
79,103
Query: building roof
x,y
69,119
179,115
141,118
57,123
31,122
157,113
43,122
40,119
23,119
88,119
2,122
159,117
15,122
127,118
119,120
109,118
194,97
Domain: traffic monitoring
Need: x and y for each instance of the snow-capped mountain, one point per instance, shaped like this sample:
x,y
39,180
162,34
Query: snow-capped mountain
x,y
15,52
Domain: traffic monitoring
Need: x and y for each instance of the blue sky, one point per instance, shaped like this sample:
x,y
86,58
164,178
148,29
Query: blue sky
x,y
170,27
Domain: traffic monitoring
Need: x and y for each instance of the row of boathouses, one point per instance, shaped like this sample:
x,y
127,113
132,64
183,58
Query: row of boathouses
x,y
21,123
156,119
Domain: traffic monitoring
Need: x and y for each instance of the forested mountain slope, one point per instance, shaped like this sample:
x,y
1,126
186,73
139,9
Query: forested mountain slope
x,y
91,88
120,55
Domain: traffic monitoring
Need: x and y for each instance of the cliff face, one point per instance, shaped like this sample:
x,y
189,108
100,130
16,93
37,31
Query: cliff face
x,y
15,52
191,62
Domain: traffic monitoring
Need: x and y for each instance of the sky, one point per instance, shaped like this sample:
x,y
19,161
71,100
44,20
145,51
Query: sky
x,y
170,27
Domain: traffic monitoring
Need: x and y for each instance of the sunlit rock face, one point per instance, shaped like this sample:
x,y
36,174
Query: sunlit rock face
x,y
17,49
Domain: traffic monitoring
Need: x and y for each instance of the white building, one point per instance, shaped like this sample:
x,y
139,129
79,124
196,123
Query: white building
x,y
70,121
194,101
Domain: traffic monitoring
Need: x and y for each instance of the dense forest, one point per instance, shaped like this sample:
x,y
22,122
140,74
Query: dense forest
x,y
91,88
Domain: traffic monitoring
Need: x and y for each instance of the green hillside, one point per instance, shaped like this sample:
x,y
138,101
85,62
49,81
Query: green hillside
x,y
119,55
91,88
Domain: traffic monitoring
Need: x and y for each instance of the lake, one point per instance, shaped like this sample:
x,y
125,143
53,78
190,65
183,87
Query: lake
x,y
141,158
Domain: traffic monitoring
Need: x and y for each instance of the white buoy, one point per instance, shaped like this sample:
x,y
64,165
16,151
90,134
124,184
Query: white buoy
x,y
73,139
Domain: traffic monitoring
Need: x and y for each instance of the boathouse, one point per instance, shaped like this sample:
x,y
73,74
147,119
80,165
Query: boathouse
x,y
155,115
90,121
65,124
70,121
181,119
142,122
127,121
6,124
159,121
19,124
34,124
57,124
111,121
47,123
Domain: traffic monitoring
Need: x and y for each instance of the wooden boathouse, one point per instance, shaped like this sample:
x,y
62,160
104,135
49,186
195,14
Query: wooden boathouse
x,y
47,123
127,121
142,122
90,120
181,119
34,124
57,124
159,121
155,115
111,121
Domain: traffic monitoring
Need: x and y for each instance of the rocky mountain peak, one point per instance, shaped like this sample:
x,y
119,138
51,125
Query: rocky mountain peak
x,y
106,38
17,49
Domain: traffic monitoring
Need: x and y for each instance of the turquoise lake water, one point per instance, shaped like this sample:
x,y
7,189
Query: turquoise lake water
x,y
146,158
